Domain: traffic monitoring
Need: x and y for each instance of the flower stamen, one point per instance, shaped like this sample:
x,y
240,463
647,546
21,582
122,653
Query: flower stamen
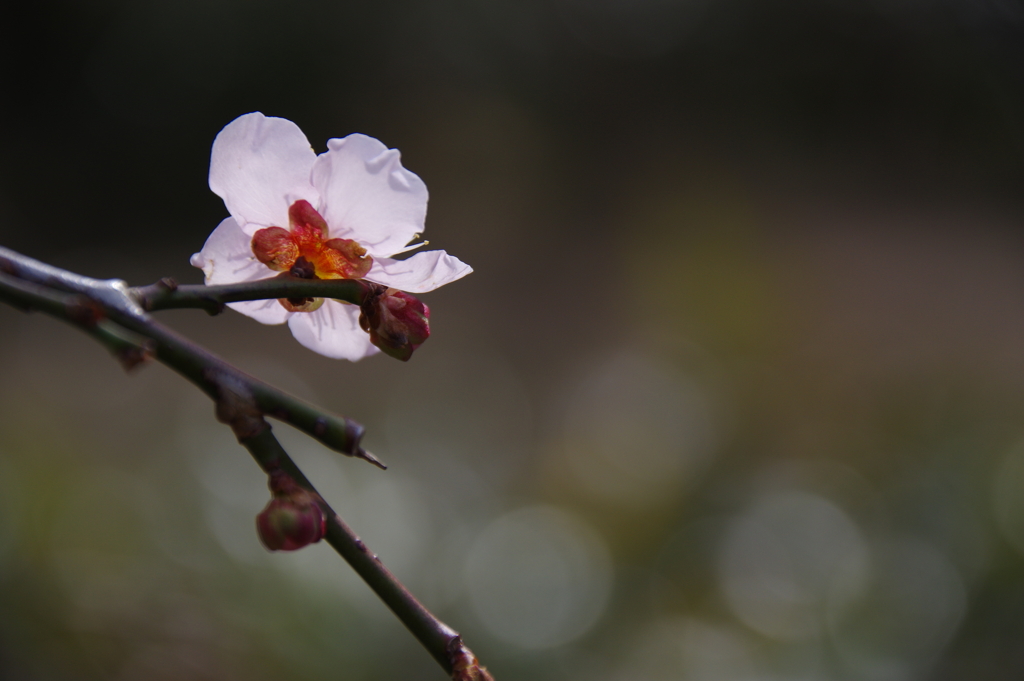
x,y
304,251
303,269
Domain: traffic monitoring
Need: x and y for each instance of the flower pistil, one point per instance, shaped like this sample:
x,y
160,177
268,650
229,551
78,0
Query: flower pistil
x,y
305,251
280,248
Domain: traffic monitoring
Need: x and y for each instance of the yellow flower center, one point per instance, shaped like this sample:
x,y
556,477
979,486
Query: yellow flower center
x,y
306,252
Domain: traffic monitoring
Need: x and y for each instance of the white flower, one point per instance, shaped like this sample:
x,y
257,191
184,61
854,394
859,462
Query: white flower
x,y
269,177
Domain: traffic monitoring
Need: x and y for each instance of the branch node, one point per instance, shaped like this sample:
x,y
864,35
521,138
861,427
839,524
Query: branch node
x,y
320,426
84,311
235,405
465,666
214,307
132,357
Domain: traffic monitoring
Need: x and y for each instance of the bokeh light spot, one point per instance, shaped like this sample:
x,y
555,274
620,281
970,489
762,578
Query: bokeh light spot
x,y
779,561
538,578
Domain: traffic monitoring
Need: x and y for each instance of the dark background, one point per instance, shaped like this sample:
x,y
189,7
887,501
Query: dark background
x,y
736,390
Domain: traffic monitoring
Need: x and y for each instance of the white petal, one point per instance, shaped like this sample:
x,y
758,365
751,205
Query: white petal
x,y
227,258
260,166
263,311
368,196
333,330
421,273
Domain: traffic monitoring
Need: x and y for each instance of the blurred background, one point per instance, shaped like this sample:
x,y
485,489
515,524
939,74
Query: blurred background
x,y
736,391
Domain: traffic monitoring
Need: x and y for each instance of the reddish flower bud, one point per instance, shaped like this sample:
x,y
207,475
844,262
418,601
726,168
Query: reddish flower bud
x,y
397,322
292,519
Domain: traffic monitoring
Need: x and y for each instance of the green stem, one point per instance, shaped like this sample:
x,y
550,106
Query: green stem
x,y
166,294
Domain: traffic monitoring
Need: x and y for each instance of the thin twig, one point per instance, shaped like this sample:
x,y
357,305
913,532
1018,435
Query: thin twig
x,y
116,302
437,637
129,349
196,364
166,294
112,313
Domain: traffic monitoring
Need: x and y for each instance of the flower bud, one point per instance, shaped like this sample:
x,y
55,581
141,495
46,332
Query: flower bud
x,y
397,322
292,519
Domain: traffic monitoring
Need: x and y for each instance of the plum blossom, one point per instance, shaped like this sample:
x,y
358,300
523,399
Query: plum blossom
x,y
341,215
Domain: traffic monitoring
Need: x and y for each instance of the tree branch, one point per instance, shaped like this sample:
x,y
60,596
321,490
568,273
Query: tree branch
x,y
112,299
129,349
166,294
115,315
440,640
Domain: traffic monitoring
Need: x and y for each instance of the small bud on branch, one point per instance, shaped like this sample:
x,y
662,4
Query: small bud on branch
x,y
293,518
397,321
